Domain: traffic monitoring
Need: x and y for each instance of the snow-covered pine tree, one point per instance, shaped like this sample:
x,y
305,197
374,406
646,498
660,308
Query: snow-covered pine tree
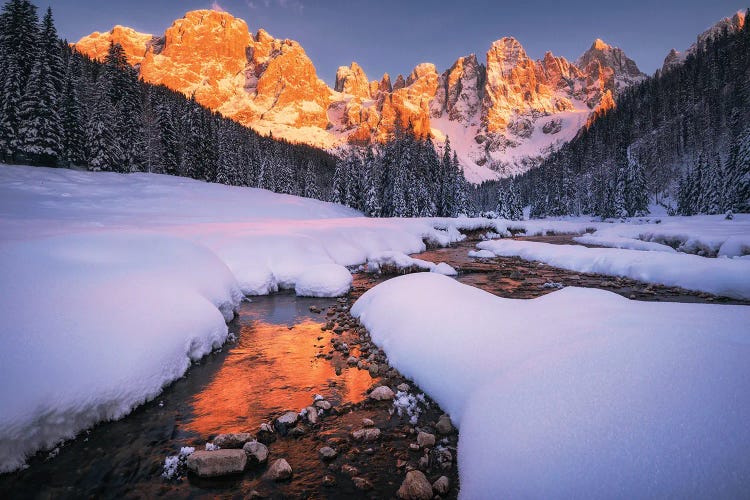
x,y
285,182
442,202
714,185
9,108
501,208
372,204
170,158
340,180
515,208
619,206
72,117
637,193
354,170
192,143
460,188
99,142
310,188
40,128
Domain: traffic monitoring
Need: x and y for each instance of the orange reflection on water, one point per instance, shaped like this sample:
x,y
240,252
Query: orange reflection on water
x,y
271,369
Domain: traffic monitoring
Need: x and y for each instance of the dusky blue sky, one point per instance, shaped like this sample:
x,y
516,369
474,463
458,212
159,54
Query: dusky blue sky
x,y
394,35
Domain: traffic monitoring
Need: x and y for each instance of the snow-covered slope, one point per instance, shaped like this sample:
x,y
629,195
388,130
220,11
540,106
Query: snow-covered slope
x,y
580,393
502,114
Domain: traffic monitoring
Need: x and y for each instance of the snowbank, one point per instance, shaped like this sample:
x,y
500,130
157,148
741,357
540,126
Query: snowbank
x,y
620,242
706,235
398,261
324,280
95,324
627,399
725,277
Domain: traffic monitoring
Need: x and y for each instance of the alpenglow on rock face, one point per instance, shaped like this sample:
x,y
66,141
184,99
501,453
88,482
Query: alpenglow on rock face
x,y
501,113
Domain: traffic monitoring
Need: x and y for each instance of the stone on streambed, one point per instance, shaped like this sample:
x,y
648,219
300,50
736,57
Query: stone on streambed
x,y
217,463
425,440
444,425
382,393
327,453
285,422
257,453
366,435
362,484
415,487
442,486
233,441
311,413
279,470
323,404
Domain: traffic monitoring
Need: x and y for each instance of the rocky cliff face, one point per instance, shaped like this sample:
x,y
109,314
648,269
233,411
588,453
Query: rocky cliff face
x,y
500,114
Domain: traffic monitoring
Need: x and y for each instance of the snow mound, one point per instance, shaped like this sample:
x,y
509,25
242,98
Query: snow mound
x,y
391,261
324,280
630,399
96,324
620,242
725,277
481,254
444,269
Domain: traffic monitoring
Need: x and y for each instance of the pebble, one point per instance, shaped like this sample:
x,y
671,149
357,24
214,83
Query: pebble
x,y
444,425
257,453
442,486
382,393
366,435
349,470
297,431
368,422
362,484
415,487
312,414
426,440
444,458
327,453
403,387
233,441
279,470
288,418
352,360
323,404
373,369
216,463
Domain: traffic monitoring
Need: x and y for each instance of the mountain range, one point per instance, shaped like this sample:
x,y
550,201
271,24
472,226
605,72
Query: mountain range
x,y
502,114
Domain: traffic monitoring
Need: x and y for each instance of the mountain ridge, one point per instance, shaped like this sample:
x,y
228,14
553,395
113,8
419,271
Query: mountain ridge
x,y
502,115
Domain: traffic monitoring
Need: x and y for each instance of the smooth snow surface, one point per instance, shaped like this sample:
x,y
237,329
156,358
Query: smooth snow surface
x,y
324,280
722,276
580,393
94,324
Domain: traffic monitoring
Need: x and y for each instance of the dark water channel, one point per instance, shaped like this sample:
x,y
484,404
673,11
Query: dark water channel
x,y
273,366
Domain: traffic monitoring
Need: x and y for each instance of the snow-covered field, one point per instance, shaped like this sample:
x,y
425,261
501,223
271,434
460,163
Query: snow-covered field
x,y
579,393
113,283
